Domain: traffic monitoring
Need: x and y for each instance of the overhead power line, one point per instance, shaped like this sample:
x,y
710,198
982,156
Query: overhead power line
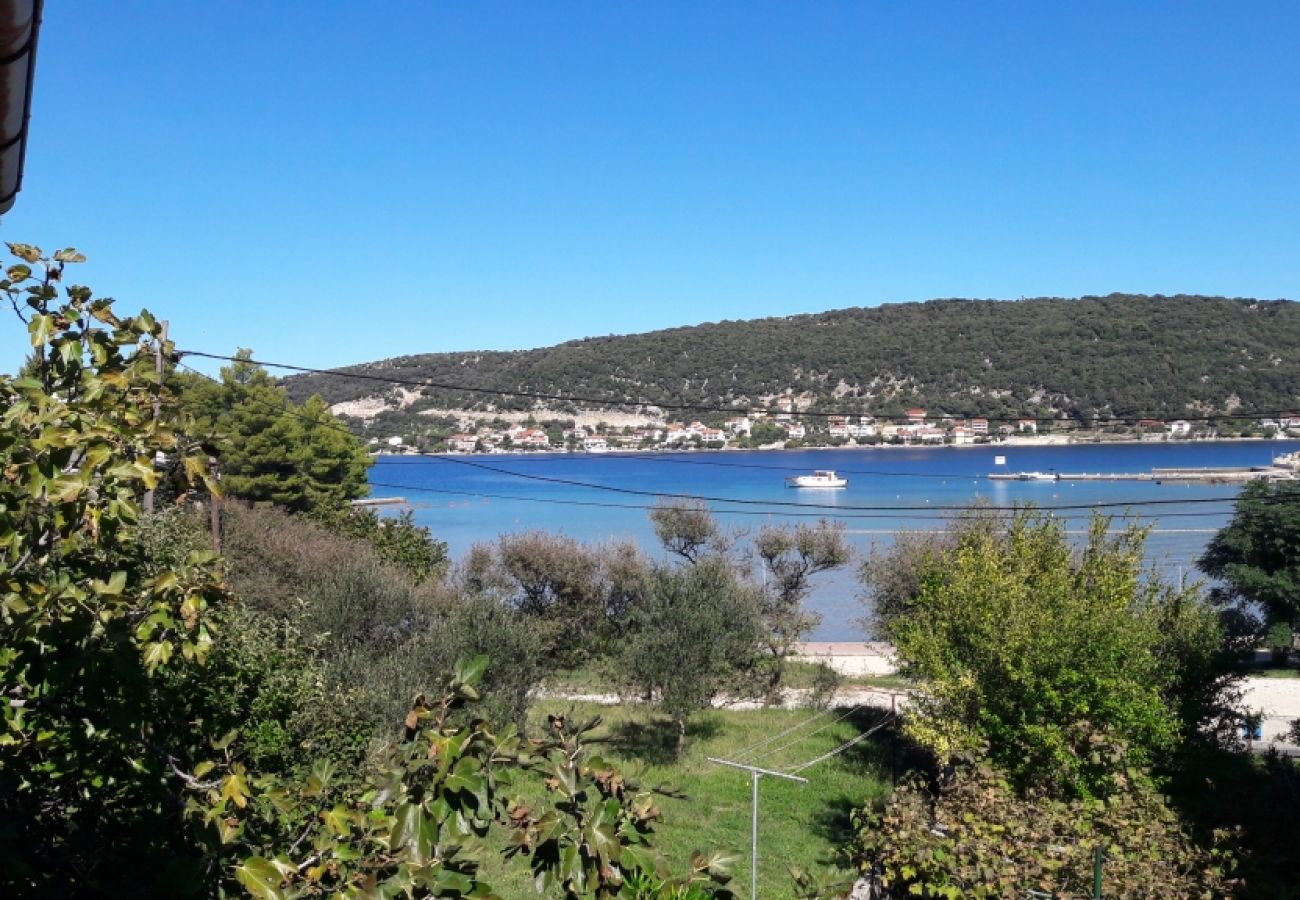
x,y
676,407
827,509
892,517
665,459
830,507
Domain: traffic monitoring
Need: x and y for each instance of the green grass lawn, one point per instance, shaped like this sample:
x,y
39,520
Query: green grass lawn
x,y
800,825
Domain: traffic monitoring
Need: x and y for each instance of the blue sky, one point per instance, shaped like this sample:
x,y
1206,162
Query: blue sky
x,y
329,183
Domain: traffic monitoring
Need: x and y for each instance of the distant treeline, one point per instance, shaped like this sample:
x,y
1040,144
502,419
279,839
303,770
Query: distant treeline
x,y
1121,355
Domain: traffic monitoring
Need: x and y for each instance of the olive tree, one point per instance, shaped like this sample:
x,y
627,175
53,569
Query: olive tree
x,y
686,528
696,631
576,596
791,556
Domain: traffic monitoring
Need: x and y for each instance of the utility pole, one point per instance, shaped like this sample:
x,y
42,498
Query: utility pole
x,y
755,773
157,398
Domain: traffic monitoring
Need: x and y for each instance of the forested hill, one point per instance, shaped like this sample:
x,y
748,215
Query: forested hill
x,y
1122,354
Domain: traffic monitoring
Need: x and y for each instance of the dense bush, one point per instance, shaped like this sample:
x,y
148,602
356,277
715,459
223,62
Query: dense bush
x,y
397,540
381,635
972,834
91,730
1033,649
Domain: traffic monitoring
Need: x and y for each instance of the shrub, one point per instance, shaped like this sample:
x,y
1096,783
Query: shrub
x,y
388,677
971,834
1033,649
397,540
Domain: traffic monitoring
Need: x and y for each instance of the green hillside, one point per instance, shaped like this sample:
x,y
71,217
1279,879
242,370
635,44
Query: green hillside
x,y
1121,355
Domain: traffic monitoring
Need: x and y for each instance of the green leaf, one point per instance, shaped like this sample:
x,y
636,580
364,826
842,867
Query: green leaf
x,y
414,831
114,586
260,878
41,328
470,673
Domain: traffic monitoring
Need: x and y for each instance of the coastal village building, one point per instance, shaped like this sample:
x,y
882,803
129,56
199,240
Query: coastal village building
x,y
962,435
531,437
796,431
979,426
1027,425
462,443
915,416
1181,426
595,444
739,425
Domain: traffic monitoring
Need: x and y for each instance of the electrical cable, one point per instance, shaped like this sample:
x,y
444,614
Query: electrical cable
x,y
646,507
830,508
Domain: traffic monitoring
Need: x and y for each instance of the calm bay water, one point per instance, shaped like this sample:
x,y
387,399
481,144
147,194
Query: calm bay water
x,y
465,503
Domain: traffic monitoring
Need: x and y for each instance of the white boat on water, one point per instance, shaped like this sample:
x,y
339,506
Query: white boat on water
x,y
822,478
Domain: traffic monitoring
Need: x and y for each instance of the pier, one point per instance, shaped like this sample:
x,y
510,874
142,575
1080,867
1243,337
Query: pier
x,y
1186,476
379,501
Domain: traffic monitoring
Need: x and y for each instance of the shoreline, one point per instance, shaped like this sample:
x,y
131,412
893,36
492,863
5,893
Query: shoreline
x,y
1011,442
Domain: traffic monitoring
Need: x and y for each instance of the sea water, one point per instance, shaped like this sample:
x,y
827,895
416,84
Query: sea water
x,y
602,497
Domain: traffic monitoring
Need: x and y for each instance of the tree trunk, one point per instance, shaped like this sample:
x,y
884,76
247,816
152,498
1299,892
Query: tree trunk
x,y
681,734
772,696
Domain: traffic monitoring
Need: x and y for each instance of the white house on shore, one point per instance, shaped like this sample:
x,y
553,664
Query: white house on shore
x,y
462,443
530,437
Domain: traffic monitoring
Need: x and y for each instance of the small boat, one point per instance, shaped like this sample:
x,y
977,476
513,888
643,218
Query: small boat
x,y
822,478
